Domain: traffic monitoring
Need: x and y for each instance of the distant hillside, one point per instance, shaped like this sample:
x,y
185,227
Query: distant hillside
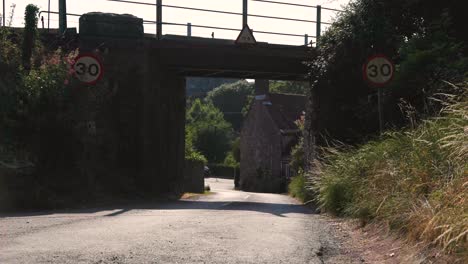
x,y
200,86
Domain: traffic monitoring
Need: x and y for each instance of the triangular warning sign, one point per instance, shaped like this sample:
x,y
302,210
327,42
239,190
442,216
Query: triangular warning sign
x,y
246,36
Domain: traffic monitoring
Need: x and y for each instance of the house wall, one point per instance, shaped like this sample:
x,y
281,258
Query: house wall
x,y
260,166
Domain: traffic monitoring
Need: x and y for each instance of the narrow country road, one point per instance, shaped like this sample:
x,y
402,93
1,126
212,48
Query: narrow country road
x,y
225,227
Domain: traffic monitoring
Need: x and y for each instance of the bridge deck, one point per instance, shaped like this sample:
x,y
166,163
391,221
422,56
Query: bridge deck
x,y
205,57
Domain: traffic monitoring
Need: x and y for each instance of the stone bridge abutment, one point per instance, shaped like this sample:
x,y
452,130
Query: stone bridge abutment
x,y
132,120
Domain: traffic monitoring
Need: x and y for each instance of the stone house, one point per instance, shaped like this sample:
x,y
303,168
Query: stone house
x,y
268,134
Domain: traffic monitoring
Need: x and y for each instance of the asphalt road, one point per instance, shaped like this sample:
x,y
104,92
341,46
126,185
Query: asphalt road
x,y
225,227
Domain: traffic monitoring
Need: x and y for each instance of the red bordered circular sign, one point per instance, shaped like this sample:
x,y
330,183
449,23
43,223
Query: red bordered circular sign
x,y
88,68
378,70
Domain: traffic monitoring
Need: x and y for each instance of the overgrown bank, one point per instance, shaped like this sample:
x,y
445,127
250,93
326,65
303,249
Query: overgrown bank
x,y
414,181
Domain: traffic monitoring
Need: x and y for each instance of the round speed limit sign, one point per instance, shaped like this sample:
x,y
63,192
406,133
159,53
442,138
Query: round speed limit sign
x,y
378,70
88,68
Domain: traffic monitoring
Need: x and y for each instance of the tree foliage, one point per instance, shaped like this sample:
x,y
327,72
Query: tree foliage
x,y
199,87
34,97
231,99
419,38
209,133
10,79
233,157
289,87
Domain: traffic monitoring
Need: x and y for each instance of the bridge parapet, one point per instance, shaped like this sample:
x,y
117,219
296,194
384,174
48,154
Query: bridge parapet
x,y
204,57
111,25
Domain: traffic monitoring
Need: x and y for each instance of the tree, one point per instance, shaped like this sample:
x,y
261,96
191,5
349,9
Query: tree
x,y
231,99
210,133
233,157
344,104
289,87
198,87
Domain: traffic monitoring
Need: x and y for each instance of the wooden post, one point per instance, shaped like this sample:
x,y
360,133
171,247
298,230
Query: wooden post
x,y
380,109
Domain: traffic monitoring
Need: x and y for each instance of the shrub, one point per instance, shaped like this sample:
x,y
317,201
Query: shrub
x,y
10,80
297,157
299,188
190,152
207,131
230,160
196,156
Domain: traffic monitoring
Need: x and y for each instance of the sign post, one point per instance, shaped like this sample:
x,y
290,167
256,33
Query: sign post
x,y
88,68
378,71
3,15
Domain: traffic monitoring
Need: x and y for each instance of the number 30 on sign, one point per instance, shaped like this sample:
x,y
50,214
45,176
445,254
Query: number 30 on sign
x,y
88,68
378,70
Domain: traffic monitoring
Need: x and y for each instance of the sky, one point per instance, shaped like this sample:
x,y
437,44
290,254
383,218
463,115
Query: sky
x,y
199,18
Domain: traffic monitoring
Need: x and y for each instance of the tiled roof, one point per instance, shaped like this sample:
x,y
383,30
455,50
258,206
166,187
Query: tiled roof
x,y
285,109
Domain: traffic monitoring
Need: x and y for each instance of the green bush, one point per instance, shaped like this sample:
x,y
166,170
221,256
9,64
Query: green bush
x,y
196,156
10,81
207,131
190,152
230,160
299,188
289,87
35,122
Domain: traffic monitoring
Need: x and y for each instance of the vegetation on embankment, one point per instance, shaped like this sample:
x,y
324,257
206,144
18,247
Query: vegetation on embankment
x,y
414,181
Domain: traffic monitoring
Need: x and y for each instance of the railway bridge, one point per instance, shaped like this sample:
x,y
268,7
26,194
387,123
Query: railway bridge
x,y
131,119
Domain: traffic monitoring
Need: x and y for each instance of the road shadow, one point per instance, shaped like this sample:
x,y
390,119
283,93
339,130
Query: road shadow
x,y
280,210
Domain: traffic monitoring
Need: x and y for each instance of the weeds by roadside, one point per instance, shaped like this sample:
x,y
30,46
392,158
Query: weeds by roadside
x,y
415,181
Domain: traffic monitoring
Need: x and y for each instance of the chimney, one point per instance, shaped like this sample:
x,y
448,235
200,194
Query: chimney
x,y
262,88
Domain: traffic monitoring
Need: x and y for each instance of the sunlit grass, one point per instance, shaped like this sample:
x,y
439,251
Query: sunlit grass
x,y
414,181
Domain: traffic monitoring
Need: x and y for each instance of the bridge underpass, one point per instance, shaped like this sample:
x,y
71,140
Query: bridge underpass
x,y
131,123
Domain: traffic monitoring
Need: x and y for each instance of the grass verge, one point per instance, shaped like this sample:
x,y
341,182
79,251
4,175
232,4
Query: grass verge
x,y
415,182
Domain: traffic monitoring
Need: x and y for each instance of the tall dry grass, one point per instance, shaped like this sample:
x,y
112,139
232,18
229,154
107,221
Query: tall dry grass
x,y
415,181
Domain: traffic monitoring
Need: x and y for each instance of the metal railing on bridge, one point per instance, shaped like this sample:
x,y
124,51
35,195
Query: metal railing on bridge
x,y
159,22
